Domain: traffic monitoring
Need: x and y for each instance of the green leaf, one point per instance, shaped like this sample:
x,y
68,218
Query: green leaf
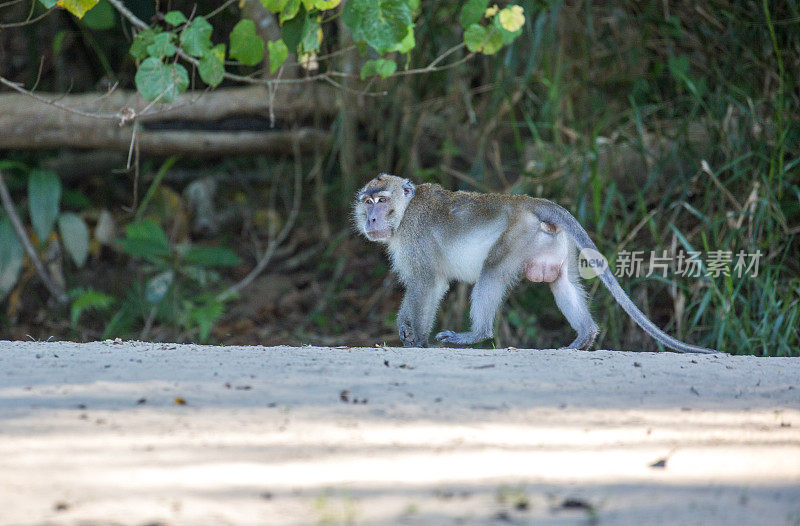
x,y
308,4
162,46
408,43
212,66
310,38
274,5
88,299
196,37
506,35
150,231
11,257
175,18
324,5
246,46
352,16
101,17
384,24
494,42
48,3
77,7
383,67
480,39
290,10
278,52
679,69
204,276
205,317
44,194
141,41
7,164
75,236
473,11
474,37
679,66
211,257
144,239
75,199
292,32
156,80
158,286
58,41
369,69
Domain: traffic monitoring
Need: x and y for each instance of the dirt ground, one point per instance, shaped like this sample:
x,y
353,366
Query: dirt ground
x,y
141,433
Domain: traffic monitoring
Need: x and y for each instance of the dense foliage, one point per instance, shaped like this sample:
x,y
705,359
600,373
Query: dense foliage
x,y
661,127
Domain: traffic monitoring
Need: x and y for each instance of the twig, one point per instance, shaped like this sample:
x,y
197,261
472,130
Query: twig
x,y
29,20
134,128
148,323
16,87
273,244
55,290
124,11
354,91
336,53
467,179
124,115
446,54
9,3
219,9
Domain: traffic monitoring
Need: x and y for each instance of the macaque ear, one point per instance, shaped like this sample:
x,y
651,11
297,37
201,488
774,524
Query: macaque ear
x,y
409,188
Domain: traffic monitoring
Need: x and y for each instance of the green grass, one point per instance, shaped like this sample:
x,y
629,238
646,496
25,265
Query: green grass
x,y
611,111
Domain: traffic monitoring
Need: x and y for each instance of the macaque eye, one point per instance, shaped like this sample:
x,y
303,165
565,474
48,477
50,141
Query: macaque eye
x,y
381,199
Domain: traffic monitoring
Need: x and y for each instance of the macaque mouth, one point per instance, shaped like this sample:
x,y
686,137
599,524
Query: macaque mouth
x,y
378,235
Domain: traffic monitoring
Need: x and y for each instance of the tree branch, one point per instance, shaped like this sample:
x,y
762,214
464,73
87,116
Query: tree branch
x,y
187,127
29,20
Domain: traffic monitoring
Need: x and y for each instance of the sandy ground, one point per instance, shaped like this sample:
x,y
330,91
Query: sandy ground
x,y
140,433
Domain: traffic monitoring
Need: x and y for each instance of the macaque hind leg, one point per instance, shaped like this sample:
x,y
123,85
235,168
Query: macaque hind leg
x,y
500,272
571,300
487,295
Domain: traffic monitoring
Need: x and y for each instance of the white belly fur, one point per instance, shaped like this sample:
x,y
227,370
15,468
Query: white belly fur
x,y
464,256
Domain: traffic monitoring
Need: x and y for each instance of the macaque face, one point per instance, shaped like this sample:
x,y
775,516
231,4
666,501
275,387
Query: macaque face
x,y
378,214
380,206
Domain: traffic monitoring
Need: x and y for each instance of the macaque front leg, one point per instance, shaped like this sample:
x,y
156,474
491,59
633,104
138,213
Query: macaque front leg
x,y
418,312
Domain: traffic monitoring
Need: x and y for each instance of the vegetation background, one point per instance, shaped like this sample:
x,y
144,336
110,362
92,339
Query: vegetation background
x,y
662,125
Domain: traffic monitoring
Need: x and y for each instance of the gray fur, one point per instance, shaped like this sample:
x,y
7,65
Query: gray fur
x,y
492,240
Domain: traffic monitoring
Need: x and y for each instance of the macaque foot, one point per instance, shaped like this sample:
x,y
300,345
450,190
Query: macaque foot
x,y
462,338
407,336
585,341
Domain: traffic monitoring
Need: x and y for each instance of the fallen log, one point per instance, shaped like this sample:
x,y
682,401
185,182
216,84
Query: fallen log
x,y
220,122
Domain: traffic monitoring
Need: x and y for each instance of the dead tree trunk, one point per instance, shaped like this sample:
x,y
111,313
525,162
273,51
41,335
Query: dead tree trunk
x,y
214,123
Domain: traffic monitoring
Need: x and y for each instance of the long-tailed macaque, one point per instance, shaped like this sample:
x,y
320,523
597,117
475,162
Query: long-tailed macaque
x,y
436,236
